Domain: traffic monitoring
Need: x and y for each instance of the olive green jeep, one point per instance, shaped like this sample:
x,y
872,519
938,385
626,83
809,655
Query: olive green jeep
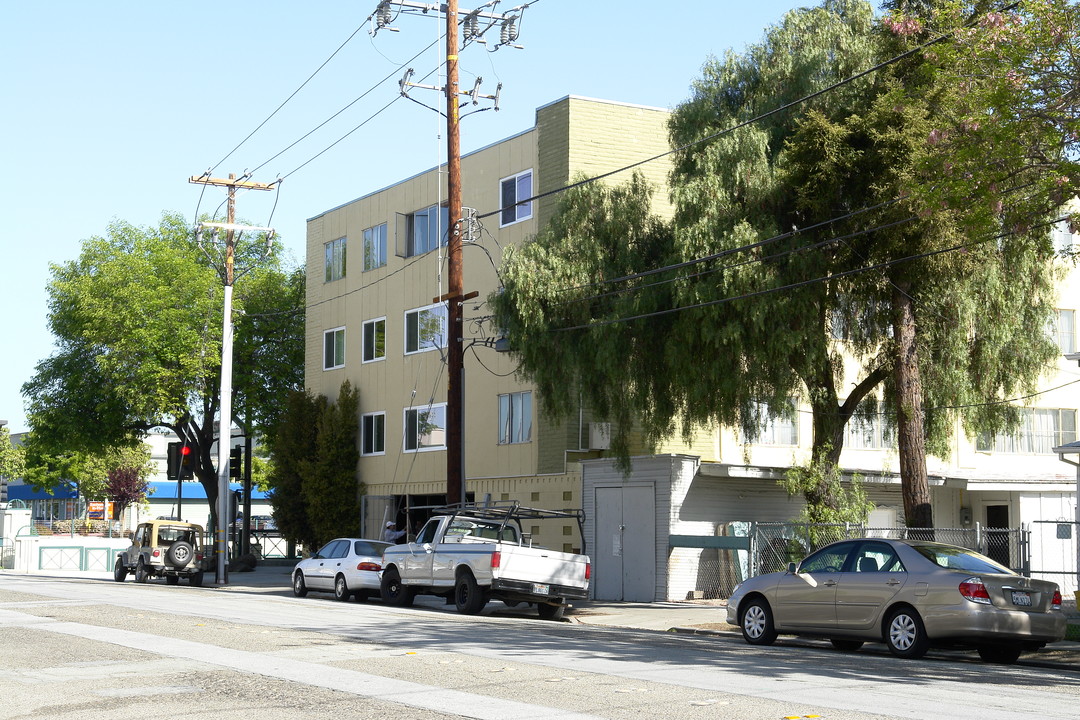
x,y
163,548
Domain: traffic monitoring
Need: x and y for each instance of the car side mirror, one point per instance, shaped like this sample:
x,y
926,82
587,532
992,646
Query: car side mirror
x,y
791,568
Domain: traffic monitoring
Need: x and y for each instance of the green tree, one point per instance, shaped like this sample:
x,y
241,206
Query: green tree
x,y
294,447
789,231
1017,76
12,457
330,488
137,325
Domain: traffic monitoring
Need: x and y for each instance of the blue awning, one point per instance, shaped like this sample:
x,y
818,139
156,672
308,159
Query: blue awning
x,y
27,492
166,490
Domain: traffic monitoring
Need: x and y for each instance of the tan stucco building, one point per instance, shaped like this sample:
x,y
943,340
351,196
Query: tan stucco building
x,y
374,267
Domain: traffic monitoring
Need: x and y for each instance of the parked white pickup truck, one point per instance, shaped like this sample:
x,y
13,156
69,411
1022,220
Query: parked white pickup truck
x,y
474,553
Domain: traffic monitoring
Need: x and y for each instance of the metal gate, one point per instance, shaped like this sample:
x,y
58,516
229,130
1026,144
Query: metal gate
x,y
1055,555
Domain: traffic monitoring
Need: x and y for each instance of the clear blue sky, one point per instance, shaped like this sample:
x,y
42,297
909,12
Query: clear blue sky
x,y
110,107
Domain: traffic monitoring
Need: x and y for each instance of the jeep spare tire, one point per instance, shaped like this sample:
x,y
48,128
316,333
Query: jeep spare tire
x,y
179,554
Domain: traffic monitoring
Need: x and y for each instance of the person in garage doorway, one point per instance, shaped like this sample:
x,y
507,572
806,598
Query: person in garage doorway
x,y
391,533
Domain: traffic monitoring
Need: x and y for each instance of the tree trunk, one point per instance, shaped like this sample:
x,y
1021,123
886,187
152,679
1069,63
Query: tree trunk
x,y
909,420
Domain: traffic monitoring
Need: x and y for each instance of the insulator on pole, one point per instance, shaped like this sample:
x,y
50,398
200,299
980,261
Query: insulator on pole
x,y
383,15
508,33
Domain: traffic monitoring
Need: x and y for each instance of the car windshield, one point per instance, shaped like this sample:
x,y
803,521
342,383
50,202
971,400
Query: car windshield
x,y
958,558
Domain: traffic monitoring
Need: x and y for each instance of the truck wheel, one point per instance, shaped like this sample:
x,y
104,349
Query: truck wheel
x,y
119,572
196,579
141,573
551,612
468,596
393,592
172,579
179,554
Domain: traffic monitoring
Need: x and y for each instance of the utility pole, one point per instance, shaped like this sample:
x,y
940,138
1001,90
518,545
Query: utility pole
x,y
455,355
228,275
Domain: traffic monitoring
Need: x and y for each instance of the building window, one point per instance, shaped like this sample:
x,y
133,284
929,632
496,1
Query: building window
x,y
782,430
374,340
1062,330
425,329
515,418
1040,431
334,349
425,428
512,191
869,432
1063,237
335,259
375,247
422,231
373,434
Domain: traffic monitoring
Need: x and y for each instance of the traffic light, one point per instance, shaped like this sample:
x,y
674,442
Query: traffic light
x,y
236,462
3,489
181,462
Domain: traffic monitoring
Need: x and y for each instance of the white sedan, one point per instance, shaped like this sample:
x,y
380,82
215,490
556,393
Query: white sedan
x,y
347,567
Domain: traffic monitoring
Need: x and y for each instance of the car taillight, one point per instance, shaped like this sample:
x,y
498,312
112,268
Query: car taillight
x,y
496,559
198,556
974,590
156,553
1056,602
372,566
588,570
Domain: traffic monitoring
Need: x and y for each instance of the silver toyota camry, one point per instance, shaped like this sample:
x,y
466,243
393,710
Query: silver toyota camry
x,y
909,594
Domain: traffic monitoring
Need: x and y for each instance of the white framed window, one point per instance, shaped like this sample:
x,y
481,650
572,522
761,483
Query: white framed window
x,y
334,349
425,328
780,430
422,231
869,433
373,434
1040,431
375,247
515,418
335,259
425,428
513,191
1063,237
374,340
1062,330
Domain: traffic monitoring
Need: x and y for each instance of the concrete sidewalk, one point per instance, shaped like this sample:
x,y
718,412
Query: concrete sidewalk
x,y
698,617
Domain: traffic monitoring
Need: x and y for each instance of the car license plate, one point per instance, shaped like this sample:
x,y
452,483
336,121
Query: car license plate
x,y
1020,597
544,589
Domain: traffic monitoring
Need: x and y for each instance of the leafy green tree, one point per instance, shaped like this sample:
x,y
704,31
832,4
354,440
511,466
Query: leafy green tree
x,y
330,488
1017,76
137,325
294,447
12,457
795,242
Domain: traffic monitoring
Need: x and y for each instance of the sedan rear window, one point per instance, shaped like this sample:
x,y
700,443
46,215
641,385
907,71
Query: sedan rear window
x,y
955,558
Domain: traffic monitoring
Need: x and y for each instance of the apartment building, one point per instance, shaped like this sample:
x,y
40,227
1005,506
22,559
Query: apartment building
x,y
375,268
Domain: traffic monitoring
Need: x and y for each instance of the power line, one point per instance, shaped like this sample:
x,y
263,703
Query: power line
x,y
286,100
745,123
343,109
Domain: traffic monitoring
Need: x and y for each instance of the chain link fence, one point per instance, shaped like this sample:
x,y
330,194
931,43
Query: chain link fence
x,y
713,566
